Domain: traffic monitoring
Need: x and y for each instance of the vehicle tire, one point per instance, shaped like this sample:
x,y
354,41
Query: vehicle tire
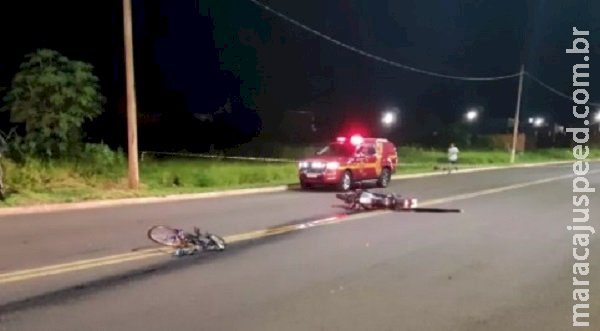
x,y
345,183
384,178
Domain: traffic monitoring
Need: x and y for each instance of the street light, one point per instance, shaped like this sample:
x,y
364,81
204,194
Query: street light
x,y
388,118
597,119
471,115
538,121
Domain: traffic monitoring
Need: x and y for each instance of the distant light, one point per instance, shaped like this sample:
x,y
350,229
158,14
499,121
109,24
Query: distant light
x,y
471,115
341,139
388,118
531,120
597,117
356,140
538,121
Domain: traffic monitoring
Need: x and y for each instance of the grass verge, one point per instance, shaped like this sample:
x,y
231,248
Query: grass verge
x,y
35,183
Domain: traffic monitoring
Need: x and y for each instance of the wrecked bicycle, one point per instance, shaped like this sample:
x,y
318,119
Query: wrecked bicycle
x,y
185,243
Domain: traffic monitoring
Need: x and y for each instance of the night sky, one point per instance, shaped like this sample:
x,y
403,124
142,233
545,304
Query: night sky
x,y
192,55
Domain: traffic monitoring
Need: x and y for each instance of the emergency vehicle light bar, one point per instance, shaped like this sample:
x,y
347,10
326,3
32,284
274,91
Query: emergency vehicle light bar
x,y
354,140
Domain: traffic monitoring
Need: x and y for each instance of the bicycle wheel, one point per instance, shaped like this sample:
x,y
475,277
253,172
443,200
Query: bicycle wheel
x,y
163,235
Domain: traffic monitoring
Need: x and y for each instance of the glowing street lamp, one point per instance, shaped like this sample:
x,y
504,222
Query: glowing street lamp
x,y
388,118
471,115
596,119
538,121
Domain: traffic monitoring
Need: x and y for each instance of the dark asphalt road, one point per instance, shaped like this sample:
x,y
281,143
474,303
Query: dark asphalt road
x,y
504,264
64,236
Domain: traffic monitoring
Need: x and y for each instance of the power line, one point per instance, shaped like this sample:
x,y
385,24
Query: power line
x,y
406,67
555,91
376,57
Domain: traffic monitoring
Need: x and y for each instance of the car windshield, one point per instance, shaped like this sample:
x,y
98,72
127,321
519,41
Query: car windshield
x,y
337,149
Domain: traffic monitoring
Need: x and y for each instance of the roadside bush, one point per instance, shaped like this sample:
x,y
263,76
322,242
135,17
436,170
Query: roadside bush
x,y
96,164
483,143
51,97
33,174
419,155
100,160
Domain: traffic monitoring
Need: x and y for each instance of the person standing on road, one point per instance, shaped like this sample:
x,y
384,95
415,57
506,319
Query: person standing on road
x,y
452,157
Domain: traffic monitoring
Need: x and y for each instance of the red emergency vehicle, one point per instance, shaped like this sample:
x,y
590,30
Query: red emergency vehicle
x,y
349,160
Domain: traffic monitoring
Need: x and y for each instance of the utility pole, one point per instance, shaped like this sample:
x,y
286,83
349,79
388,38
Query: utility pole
x,y
516,119
134,176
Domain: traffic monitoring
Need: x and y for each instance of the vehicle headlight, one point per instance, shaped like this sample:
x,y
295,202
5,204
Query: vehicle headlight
x,y
302,165
318,165
332,165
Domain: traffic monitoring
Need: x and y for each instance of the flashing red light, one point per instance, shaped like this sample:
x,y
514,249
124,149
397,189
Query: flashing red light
x,y
341,139
356,140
